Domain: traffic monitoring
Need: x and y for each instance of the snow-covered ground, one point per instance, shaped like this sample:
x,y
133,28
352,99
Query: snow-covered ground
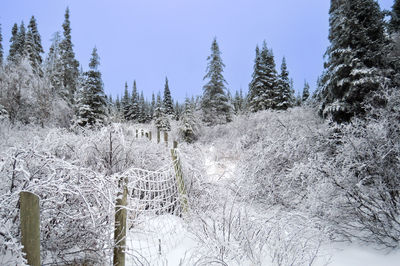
x,y
355,255
221,168
218,168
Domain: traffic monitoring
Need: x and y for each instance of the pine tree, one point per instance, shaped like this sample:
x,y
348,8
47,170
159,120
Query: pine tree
x,y
69,63
306,92
92,104
12,54
394,23
161,120
1,48
354,66
167,101
215,104
126,103
284,93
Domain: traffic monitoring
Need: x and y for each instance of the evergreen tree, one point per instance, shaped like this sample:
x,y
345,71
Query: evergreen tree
x,y
69,63
21,36
133,113
1,48
189,127
215,104
142,117
152,106
394,23
306,92
53,66
126,103
161,120
118,104
12,54
256,85
354,66
92,103
33,46
177,111
284,93
263,87
269,79
167,101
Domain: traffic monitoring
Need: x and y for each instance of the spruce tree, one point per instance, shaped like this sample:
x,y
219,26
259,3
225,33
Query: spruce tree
x,y
1,48
167,101
142,117
92,105
284,93
133,113
215,104
33,46
12,54
306,92
269,79
394,23
177,111
189,127
69,63
263,87
152,106
161,120
53,66
21,37
126,103
256,85
354,66
118,104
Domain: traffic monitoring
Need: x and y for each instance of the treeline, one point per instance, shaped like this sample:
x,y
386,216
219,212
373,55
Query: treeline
x,y
56,91
51,91
363,55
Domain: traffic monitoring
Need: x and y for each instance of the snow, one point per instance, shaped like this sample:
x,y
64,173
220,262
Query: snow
x,y
218,168
161,240
354,255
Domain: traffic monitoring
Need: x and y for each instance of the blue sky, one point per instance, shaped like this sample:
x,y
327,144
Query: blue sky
x,y
147,40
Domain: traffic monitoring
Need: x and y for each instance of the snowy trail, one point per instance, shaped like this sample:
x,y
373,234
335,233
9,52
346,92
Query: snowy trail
x,y
218,167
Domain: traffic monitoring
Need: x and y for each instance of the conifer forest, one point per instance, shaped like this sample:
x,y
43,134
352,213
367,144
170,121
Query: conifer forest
x,y
268,174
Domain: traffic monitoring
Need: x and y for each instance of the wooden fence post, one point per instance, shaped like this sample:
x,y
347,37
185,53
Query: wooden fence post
x,y
142,133
150,135
137,133
120,228
30,227
179,177
158,136
166,138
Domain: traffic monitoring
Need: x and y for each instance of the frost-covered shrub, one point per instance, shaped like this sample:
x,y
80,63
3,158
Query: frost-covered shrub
x,y
74,203
237,234
75,175
361,179
277,143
